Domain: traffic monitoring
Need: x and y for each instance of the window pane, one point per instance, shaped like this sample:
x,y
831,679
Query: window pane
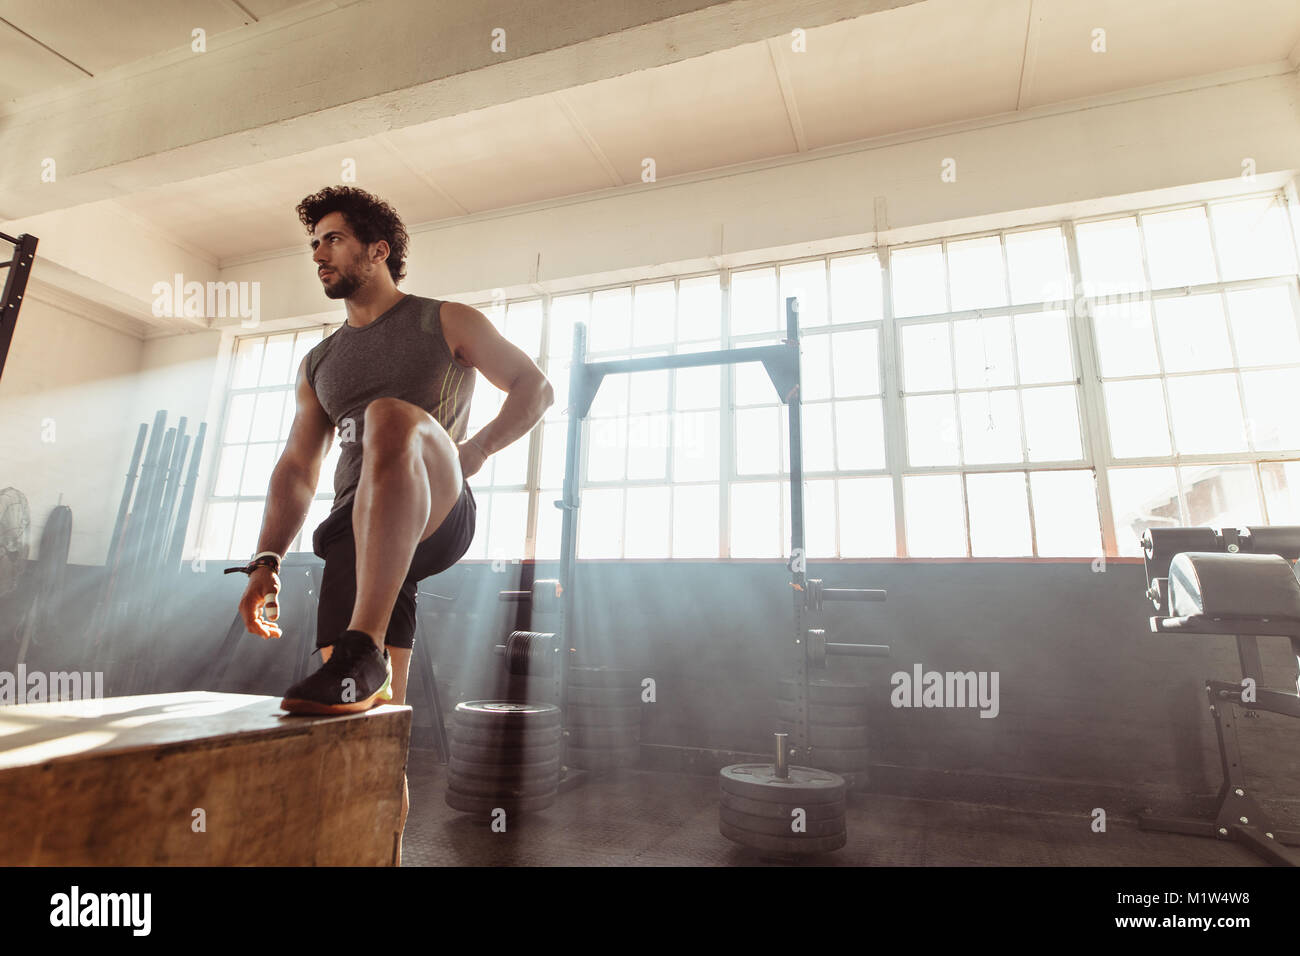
x,y
217,526
507,523
648,391
653,318
565,311
815,367
550,521
855,358
990,427
1281,480
267,412
856,293
1125,341
524,326
753,302
557,373
695,521
1065,514
1110,257
257,470
699,387
484,404
934,516
647,439
755,520
758,446
647,522
1142,498
976,273
248,362
1178,248
818,516
1193,333
325,485
1263,326
248,525
600,524
612,397
1253,238
806,281
510,464
1221,496
275,366
860,433
1052,424
927,357
699,308
239,417
867,518
555,438
696,444
753,384
1036,262
999,515
606,449
611,320
931,430
918,280
818,438
984,356
1271,418
1207,416
1135,412
1043,348
302,344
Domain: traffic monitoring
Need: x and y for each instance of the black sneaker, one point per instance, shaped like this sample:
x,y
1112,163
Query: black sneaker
x,y
355,678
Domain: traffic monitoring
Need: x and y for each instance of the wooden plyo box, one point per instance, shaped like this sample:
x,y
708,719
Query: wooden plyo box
x,y
199,778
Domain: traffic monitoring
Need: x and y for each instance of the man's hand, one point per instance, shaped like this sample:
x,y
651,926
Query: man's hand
x,y
262,583
471,458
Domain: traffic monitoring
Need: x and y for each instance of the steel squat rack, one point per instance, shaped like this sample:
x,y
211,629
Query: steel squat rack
x,y
809,648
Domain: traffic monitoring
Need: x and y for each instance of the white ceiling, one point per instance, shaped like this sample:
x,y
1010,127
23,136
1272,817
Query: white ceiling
x,y
903,69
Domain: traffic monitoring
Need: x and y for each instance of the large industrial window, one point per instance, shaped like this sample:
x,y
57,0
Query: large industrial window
x,y
1048,391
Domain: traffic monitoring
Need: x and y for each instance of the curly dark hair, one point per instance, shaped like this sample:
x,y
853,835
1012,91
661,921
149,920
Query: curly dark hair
x,y
369,218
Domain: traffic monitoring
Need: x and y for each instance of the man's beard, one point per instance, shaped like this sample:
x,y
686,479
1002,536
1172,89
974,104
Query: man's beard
x,y
344,285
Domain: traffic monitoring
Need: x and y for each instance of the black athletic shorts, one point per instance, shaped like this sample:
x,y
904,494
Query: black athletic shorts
x,y
333,541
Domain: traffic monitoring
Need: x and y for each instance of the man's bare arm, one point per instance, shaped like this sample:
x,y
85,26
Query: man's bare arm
x,y
474,341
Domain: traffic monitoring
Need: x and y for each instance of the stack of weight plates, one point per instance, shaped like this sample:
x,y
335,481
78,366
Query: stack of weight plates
x,y
603,717
801,815
837,723
503,754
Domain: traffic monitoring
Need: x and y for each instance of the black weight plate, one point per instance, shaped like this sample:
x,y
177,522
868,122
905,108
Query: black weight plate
x,y
604,696
472,804
784,846
603,677
825,692
603,759
608,718
497,771
805,785
838,737
827,715
771,827
830,758
505,713
511,756
506,737
594,738
477,787
781,811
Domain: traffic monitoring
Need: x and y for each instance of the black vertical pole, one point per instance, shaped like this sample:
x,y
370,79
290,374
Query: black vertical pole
x,y
569,502
798,557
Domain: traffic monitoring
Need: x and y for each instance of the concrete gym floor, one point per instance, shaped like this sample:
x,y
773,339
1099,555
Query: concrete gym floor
x,y
651,818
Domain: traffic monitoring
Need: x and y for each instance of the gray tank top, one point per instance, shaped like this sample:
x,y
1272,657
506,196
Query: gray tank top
x,y
402,354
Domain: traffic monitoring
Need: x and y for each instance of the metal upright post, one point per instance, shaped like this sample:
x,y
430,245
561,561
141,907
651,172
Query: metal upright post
x,y
579,402
798,558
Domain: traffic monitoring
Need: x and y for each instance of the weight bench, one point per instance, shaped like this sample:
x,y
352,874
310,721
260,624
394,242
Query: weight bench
x,y
1237,581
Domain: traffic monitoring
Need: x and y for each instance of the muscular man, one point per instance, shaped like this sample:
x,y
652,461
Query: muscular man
x,y
396,381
